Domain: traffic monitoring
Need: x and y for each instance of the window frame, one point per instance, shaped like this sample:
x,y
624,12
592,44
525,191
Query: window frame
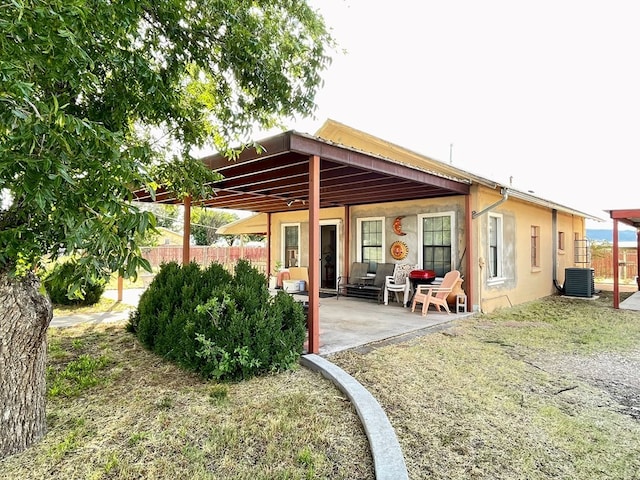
x,y
359,245
535,247
561,242
498,275
454,243
283,247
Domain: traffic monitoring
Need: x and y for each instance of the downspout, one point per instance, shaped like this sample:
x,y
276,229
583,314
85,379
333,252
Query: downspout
x,y
481,262
554,250
505,195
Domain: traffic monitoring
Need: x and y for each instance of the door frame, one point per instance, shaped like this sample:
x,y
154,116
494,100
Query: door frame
x,y
337,223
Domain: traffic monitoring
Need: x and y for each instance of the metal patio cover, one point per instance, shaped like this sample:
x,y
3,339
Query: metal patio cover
x,y
276,178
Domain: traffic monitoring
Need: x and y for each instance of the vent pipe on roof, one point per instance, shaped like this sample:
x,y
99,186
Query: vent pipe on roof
x,y
505,195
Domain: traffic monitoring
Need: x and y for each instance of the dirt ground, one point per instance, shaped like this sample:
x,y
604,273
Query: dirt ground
x,y
617,374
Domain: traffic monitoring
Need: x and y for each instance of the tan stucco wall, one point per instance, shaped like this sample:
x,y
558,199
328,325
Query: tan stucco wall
x,y
522,282
300,217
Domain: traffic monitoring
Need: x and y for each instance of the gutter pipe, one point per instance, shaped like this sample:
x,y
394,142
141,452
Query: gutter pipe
x,y
554,250
505,195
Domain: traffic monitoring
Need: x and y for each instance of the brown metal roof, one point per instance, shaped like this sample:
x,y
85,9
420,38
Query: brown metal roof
x,y
629,217
276,179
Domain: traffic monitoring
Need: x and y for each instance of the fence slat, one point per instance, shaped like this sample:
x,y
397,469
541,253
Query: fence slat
x,y
205,255
602,264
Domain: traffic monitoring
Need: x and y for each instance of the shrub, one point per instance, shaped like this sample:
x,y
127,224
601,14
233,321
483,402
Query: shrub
x,y
222,326
66,286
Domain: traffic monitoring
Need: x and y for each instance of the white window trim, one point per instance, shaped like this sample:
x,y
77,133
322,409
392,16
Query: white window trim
x,y
454,238
499,278
283,238
359,235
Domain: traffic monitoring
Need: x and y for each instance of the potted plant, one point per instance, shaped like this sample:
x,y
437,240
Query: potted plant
x,y
273,278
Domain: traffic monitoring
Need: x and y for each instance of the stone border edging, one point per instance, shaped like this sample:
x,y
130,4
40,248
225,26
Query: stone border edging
x,y
388,461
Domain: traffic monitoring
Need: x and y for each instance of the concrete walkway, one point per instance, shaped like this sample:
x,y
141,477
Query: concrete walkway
x,y
130,297
631,303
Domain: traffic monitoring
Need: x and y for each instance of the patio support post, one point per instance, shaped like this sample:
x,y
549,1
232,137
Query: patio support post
x,y
347,241
468,264
638,258
186,230
120,287
313,322
268,244
616,266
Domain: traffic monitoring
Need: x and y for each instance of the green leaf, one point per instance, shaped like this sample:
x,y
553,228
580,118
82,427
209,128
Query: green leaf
x,y
96,95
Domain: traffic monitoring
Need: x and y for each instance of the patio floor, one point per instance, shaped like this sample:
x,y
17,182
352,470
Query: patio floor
x,y
349,323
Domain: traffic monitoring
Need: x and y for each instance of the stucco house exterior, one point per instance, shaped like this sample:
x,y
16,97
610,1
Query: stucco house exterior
x,y
520,243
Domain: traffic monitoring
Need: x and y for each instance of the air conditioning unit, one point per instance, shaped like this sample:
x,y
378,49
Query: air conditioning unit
x,y
579,282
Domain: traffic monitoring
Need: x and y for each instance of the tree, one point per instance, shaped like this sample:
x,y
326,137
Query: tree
x,y
98,97
166,215
205,222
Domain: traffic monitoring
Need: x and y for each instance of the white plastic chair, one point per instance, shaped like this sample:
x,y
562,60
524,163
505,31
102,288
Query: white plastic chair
x,y
399,283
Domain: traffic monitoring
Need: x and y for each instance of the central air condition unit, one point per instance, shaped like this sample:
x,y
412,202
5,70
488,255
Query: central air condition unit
x,y
579,282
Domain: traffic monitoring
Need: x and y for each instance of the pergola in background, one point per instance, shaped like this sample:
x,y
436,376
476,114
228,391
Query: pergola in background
x,y
294,171
631,218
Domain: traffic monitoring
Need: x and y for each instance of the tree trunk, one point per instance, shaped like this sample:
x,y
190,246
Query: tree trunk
x,y
25,314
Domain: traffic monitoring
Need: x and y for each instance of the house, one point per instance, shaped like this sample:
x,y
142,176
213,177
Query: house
x,y
343,195
168,237
521,243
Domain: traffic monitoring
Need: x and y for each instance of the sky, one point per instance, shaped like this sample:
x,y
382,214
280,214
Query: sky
x,y
545,94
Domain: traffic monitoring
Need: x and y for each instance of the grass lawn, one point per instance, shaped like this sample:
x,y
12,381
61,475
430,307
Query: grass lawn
x,y
104,305
117,411
499,396
493,397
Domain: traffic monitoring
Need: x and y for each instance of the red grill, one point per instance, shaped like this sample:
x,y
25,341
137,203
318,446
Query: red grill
x,y
422,276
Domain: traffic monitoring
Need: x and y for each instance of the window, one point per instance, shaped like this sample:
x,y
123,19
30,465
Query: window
x,y
560,240
535,246
291,245
371,241
495,246
435,236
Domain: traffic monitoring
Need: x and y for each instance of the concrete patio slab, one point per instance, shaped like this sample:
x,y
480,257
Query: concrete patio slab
x,y
349,323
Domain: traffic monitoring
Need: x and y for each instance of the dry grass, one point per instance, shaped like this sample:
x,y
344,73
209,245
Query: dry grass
x,y
493,397
145,418
104,305
476,400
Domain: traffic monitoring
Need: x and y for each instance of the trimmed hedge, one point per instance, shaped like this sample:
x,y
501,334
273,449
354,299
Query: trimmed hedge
x,y
222,326
59,281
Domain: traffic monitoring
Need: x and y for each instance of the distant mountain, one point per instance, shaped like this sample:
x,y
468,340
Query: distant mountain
x,y
602,235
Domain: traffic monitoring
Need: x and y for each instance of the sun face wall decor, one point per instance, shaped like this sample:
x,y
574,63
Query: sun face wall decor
x,y
399,250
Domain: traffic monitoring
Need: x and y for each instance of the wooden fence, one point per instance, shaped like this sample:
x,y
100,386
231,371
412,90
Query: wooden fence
x,y
206,255
602,263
